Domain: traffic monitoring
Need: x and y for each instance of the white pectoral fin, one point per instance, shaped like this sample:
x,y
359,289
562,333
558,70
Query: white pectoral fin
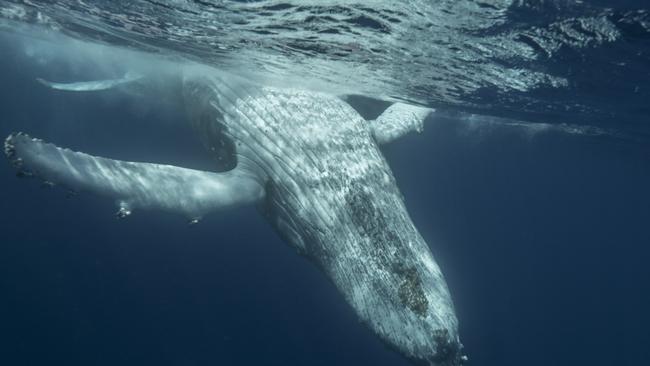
x,y
133,185
94,85
398,120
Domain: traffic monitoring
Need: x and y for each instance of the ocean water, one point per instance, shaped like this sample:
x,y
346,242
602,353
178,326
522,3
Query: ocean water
x,y
530,183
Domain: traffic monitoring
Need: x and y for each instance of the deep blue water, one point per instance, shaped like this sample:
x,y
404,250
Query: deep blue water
x,y
544,241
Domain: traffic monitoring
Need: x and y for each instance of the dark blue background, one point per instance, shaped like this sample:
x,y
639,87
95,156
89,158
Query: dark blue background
x,y
544,241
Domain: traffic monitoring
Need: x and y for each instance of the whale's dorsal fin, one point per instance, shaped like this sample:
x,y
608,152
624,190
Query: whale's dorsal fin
x,y
398,120
93,85
192,193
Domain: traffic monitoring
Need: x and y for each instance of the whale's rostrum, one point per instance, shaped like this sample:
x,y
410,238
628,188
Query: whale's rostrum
x,y
313,167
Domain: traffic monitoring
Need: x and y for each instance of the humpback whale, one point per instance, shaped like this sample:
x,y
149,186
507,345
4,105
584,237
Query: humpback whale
x,y
312,166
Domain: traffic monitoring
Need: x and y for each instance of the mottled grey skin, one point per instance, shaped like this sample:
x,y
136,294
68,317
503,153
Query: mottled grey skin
x,y
331,195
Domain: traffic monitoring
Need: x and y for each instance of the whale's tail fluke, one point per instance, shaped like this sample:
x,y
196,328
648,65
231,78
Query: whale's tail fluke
x,y
94,85
192,193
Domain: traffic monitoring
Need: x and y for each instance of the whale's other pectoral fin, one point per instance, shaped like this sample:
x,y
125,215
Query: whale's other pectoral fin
x,y
398,120
133,185
94,85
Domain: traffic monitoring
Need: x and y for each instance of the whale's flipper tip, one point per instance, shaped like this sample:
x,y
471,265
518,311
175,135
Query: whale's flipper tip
x,y
11,145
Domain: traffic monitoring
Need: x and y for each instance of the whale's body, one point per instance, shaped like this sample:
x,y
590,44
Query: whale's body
x,y
312,165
